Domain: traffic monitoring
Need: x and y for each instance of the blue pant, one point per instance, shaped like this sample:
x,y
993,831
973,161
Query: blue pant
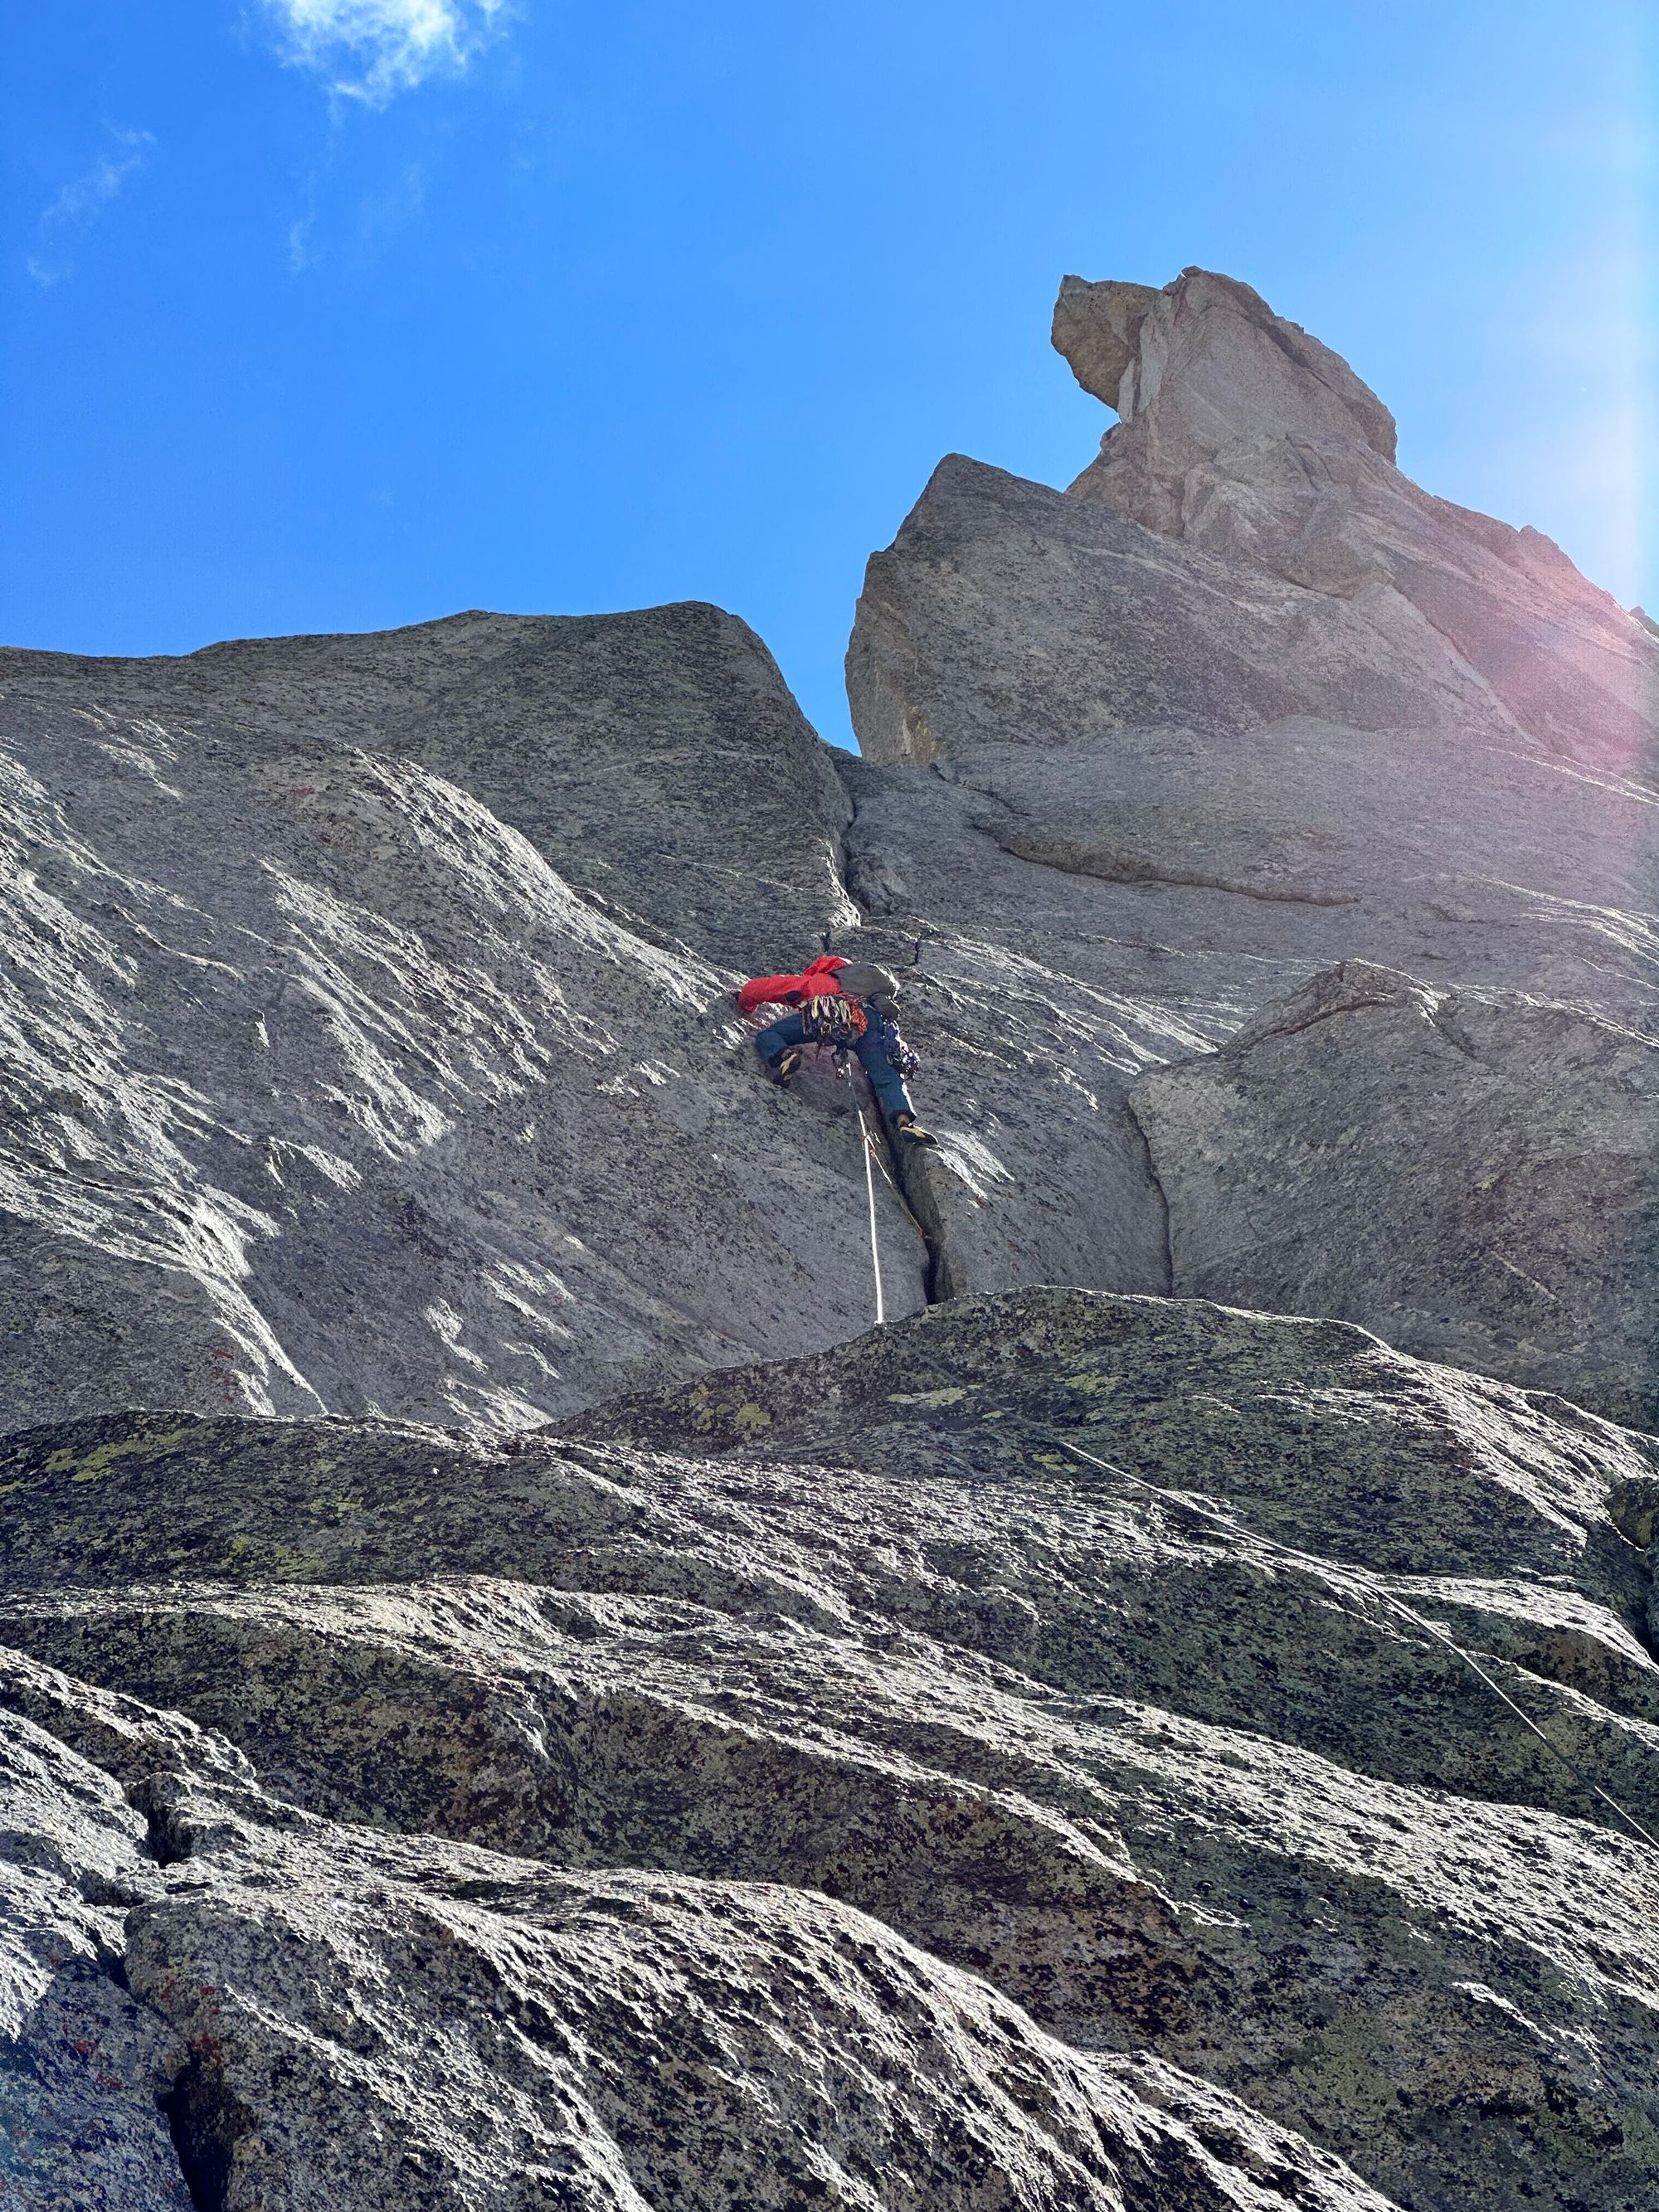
x,y
773,1041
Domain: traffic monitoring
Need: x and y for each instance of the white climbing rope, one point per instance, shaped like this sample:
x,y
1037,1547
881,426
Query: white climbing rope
x,y
870,1189
1358,1580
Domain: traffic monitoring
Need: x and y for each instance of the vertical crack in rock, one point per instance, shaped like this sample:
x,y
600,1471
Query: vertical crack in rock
x,y
206,2122
1169,1283
653,1743
916,1169
161,1799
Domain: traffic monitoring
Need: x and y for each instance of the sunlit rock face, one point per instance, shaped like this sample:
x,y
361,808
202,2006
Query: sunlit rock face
x,y
368,1045
1265,712
813,1784
1241,433
340,1074
511,1701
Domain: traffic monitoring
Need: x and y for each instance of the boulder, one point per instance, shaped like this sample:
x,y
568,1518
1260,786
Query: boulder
x,y
83,2060
1096,327
1470,1173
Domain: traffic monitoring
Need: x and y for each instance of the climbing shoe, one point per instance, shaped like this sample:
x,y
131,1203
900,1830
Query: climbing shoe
x,y
787,1066
912,1130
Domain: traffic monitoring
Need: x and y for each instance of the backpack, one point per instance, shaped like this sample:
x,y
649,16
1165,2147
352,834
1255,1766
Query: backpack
x,y
816,981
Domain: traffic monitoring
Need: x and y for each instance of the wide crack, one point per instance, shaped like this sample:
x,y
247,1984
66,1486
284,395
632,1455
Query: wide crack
x,y
206,2123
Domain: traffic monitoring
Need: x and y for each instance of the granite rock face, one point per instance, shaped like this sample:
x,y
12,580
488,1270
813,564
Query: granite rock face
x,y
1209,367
325,1087
366,1042
626,1740
1240,434
813,1784
1472,1172
1098,328
1262,711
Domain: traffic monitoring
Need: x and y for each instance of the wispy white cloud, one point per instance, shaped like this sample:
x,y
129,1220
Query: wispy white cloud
x,y
372,50
82,200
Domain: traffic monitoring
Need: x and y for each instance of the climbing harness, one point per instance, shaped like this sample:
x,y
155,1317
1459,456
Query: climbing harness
x,y
1358,1580
836,1025
870,1192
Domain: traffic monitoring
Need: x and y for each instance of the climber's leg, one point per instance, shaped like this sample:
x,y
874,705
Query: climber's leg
x,y
779,1045
885,1079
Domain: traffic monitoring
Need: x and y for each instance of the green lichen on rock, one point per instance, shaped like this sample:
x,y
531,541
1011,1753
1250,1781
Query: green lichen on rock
x,y
856,1635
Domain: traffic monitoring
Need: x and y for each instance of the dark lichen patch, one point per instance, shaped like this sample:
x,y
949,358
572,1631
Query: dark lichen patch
x,y
859,1629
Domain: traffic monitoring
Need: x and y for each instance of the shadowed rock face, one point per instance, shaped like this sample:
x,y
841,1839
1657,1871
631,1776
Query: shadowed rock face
x,y
1098,328
812,1785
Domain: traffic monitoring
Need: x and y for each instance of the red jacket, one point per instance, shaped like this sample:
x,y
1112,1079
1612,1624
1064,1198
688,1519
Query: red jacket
x,y
818,981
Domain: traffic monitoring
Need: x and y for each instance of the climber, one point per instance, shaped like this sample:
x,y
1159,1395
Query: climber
x,y
851,1007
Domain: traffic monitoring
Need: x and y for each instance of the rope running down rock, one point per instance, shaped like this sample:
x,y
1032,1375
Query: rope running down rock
x,y
1360,1581
870,1189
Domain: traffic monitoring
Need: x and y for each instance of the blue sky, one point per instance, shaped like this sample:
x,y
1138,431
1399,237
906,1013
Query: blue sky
x,y
335,314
